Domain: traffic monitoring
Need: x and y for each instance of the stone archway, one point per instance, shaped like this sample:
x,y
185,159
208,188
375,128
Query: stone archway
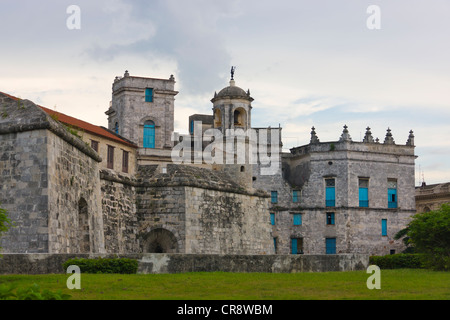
x,y
83,227
160,241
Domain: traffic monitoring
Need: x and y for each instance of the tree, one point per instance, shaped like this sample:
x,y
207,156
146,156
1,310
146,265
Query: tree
x,y
429,233
5,222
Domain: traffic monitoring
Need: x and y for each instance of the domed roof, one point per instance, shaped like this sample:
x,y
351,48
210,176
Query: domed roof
x,y
232,91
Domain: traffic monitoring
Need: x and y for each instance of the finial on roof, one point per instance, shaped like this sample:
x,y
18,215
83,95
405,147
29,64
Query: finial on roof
x,y
410,141
345,135
314,138
389,139
127,74
232,72
368,137
172,78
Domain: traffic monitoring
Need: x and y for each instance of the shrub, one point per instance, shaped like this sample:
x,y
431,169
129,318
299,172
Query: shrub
x,y
104,265
398,261
429,232
31,293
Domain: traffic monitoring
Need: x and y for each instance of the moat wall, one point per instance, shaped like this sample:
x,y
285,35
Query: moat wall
x,y
159,263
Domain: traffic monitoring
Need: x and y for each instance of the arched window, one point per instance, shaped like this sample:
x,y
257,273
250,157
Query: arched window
x,y
217,118
237,117
240,117
83,226
149,134
116,128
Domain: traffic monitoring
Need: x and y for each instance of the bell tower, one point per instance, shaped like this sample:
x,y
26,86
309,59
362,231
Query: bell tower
x,y
232,116
142,111
232,107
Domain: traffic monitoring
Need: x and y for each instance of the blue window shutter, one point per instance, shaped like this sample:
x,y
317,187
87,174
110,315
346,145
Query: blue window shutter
x,y
272,219
297,219
363,197
191,128
384,227
330,197
330,244
392,198
149,135
116,128
295,196
274,196
330,218
148,95
294,246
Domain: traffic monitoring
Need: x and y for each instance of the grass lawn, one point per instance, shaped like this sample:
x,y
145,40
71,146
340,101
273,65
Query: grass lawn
x,y
395,284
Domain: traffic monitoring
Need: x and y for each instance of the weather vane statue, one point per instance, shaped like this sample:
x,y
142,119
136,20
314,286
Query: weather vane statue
x,y
232,72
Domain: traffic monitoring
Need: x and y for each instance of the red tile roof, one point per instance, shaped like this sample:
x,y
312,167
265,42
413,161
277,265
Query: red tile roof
x,y
82,125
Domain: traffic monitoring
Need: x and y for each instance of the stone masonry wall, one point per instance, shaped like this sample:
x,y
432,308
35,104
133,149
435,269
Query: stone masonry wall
x,y
226,223
119,212
24,190
74,191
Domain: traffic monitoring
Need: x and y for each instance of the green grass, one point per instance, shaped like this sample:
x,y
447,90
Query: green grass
x,y
395,284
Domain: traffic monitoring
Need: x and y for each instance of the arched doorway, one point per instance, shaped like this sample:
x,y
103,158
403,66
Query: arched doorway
x,y
240,118
160,241
149,134
83,226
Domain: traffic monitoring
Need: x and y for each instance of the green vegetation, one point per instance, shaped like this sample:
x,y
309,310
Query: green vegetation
x,y
104,265
5,222
429,233
399,284
33,292
399,261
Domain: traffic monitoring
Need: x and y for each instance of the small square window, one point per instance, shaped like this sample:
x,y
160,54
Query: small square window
x,y
94,145
295,196
274,196
149,95
330,218
297,219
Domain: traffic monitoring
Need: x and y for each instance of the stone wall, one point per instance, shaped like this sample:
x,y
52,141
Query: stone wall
x,y
50,183
227,223
194,210
24,190
74,199
180,263
119,212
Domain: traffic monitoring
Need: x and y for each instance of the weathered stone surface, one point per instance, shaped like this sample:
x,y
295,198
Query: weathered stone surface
x,y
180,263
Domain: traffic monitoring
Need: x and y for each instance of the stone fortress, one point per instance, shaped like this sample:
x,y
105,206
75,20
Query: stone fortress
x,y
73,187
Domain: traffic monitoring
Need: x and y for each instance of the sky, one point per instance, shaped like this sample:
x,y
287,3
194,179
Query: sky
x,y
321,63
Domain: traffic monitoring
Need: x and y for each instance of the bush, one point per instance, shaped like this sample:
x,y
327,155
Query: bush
x,y
398,261
31,293
429,233
104,265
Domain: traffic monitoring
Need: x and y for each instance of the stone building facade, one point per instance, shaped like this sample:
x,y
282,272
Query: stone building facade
x,y
59,184
431,197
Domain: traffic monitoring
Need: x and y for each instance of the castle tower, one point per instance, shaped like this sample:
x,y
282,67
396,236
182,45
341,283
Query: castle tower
x,y
142,111
232,116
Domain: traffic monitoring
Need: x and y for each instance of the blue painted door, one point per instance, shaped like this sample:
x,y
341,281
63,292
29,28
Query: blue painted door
x,y
363,197
392,198
330,244
149,135
294,246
